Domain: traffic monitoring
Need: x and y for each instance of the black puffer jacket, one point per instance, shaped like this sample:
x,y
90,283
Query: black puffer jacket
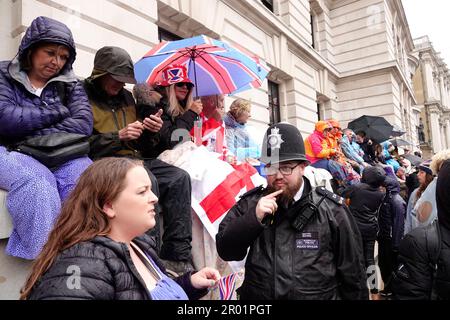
x,y
323,261
107,273
424,257
413,279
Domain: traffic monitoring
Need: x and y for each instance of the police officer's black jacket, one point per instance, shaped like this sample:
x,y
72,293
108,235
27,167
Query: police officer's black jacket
x,y
323,261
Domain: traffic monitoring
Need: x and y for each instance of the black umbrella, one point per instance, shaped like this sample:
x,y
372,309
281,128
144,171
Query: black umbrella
x,y
397,131
415,160
376,128
400,142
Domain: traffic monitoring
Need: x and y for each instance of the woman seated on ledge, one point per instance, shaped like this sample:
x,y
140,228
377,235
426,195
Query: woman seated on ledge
x,y
39,95
98,250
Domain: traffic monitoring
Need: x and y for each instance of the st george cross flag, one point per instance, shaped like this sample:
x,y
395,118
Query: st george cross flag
x,y
226,286
216,186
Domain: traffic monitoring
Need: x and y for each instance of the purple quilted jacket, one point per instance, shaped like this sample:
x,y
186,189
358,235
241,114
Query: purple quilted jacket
x,y
22,112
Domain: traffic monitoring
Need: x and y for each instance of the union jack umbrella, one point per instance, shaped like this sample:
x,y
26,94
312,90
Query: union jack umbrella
x,y
215,66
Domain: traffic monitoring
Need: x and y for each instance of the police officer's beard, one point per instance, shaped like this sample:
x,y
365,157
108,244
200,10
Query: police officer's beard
x,y
289,192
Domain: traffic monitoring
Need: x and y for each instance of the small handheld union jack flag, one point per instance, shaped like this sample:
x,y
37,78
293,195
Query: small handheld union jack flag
x,y
226,286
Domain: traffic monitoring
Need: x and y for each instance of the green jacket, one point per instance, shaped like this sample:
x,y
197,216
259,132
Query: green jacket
x,y
111,114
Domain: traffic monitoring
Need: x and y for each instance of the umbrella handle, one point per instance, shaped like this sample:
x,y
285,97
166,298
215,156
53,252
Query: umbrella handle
x,y
195,76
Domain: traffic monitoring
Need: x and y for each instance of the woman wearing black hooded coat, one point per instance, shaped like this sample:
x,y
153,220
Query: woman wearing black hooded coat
x,y
424,254
364,202
391,222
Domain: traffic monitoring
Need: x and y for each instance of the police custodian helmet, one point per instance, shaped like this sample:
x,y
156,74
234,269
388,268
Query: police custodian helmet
x,y
282,142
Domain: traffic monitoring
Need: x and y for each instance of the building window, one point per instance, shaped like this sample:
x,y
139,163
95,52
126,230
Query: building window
x,y
313,32
165,35
274,102
319,113
268,4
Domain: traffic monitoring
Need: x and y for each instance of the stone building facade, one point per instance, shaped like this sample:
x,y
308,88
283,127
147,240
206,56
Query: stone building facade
x,y
432,89
328,58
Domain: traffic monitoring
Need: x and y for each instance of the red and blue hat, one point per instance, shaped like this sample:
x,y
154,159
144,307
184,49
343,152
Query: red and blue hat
x,y
174,73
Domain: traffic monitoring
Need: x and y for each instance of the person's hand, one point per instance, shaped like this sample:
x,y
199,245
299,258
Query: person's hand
x,y
132,131
205,278
252,161
154,122
267,205
231,159
196,106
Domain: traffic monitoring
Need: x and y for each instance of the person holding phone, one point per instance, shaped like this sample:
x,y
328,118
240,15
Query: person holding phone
x,y
180,110
304,243
120,131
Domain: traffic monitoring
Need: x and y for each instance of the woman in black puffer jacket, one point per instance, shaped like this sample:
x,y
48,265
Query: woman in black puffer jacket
x,y
424,257
95,252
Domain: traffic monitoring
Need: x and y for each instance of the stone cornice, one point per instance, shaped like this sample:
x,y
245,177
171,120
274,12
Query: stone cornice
x,y
434,107
414,60
430,56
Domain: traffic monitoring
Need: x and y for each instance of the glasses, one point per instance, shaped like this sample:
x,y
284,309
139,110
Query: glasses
x,y
285,171
182,84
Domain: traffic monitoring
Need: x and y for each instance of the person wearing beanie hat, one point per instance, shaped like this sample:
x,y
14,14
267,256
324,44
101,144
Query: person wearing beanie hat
x,y
424,258
303,241
121,131
364,200
421,209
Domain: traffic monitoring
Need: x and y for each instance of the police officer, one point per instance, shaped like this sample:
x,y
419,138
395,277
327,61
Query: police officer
x,y
304,243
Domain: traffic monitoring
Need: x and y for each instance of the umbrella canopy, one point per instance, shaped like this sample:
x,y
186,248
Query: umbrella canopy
x,y
376,128
214,66
398,142
415,160
397,131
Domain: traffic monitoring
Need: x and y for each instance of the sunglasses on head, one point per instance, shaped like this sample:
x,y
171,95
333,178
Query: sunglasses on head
x,y
182,84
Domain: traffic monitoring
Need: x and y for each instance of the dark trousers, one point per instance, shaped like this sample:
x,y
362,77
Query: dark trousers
x,y
369,248
387,260
175,201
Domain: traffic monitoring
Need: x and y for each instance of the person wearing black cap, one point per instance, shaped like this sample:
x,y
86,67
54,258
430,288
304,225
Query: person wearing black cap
x,y
421,209
424,256
304,243
119,132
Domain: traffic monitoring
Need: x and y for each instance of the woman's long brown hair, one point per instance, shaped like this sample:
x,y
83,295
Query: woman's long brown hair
x,y
422,187
82,217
